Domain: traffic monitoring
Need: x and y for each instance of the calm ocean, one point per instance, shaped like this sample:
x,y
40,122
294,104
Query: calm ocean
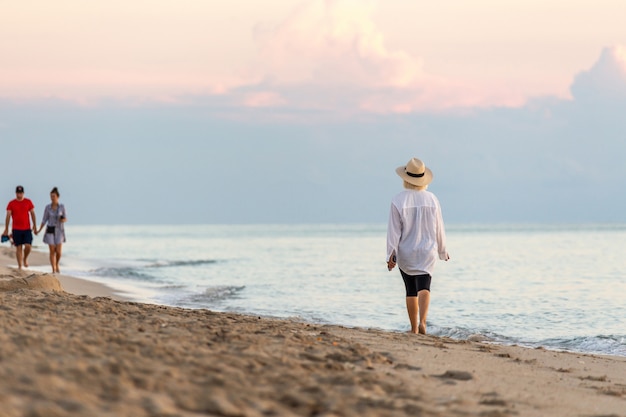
x,y
561,287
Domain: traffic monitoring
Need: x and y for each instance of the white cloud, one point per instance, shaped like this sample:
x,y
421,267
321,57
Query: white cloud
x,y
606,80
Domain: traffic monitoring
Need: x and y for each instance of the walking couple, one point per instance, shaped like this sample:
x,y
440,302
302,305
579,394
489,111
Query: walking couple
x,y
21,211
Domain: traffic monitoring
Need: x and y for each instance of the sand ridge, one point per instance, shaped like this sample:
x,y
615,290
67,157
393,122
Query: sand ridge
x,y
12,278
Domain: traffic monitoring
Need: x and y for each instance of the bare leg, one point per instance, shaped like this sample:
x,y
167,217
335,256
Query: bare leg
x,y
412,309
52,258
58,257
19,255
26,253
423,301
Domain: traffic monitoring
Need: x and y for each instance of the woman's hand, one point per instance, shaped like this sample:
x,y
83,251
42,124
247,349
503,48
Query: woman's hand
x,y
391,263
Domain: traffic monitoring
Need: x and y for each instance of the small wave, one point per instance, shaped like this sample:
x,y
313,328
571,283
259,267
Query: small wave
x,y
168,264
461,333
136,272
122,272
218,293
173,287
602,344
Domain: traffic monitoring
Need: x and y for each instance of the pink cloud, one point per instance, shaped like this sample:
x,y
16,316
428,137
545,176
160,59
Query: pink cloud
x,y
336,46
335,42
327,56
263,99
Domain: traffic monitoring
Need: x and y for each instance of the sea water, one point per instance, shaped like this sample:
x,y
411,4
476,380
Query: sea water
x,y
557,286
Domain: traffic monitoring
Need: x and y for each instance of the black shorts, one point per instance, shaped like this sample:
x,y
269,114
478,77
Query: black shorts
x,y
415,283
22,237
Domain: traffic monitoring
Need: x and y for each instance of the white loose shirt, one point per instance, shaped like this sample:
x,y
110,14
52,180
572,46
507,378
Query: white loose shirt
x,y
416,232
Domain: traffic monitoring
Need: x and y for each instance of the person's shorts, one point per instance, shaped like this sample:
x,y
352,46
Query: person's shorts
x,y
22,237
415,283
56,238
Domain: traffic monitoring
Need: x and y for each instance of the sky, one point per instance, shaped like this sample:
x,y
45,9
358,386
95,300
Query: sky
x,y
299,111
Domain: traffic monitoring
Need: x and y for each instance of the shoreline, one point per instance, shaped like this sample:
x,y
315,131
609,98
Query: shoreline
x,y
67,354
73,285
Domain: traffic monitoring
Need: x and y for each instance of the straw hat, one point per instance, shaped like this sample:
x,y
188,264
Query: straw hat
x,y
415,172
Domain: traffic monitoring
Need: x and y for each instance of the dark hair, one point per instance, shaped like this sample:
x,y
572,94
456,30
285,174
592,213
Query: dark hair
x,y
55,190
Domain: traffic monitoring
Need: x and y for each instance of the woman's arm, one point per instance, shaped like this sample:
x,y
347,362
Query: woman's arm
x,y
441,236
394,231
46,216
63,217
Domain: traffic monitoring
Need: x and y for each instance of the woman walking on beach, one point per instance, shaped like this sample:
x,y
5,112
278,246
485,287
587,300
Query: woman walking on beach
x,y
54,217
415,239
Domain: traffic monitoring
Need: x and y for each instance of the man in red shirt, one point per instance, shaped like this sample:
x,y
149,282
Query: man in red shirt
x,y
18,210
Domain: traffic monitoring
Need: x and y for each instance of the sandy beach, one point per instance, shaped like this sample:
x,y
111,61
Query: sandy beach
x,y
69,347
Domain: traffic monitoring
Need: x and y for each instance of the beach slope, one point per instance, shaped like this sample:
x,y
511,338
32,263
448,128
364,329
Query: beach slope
x,y
63,354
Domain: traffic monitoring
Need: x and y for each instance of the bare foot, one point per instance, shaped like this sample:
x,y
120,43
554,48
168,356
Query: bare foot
x,y
422,328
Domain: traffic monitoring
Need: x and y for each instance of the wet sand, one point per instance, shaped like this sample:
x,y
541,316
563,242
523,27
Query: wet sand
x,y
63,354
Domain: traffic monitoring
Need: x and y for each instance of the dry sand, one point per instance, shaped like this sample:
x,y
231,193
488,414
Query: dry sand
x,y
63,354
